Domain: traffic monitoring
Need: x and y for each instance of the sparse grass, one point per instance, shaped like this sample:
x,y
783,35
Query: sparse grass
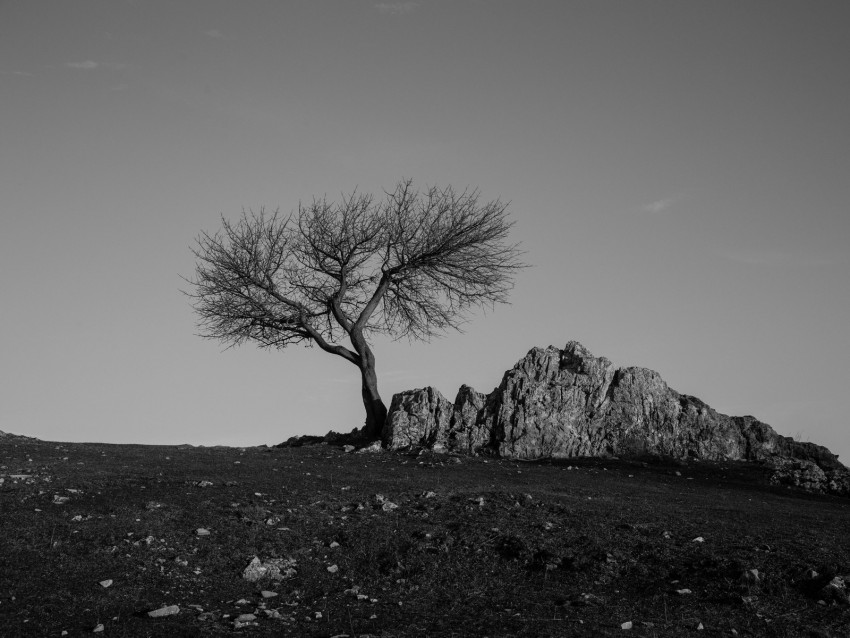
x,y
552,551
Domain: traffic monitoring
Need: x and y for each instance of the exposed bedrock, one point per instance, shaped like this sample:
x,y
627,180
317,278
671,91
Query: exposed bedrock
x,y
563,403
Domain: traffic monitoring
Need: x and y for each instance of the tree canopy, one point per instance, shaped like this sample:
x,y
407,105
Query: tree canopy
x,y
410,264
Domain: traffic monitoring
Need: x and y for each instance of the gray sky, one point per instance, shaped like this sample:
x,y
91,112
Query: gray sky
x,y
679,173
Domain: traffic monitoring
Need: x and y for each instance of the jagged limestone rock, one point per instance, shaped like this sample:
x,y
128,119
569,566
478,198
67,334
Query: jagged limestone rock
x,y
418,417
565,403
471,424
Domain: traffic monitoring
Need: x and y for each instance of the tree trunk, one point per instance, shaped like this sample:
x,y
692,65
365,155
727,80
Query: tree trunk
x,y
376,411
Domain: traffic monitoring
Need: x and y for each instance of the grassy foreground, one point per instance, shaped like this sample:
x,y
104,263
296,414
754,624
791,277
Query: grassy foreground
x,y
384,544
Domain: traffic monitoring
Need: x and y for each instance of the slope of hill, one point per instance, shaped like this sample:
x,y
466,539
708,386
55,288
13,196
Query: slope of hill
x,y
388,544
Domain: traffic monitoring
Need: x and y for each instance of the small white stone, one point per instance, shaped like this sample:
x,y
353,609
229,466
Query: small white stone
x,y
98,628
626,625
333,569
106,583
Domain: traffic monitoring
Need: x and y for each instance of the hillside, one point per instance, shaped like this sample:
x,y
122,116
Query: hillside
x,y
388,544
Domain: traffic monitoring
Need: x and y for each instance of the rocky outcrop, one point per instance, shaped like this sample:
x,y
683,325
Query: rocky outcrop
x,y
565,403
420,418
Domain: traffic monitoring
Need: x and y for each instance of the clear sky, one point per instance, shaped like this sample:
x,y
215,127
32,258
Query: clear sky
x,y
679,174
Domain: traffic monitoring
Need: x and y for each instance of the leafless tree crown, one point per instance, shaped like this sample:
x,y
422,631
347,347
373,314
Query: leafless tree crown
x,y
409,264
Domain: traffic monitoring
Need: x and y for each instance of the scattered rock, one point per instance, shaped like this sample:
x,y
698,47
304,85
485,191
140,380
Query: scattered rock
x,y
348,449
384,503
240,625
106,583
373,447
809,574
202,531
751,577
268,594
97,628
169,610
684,592
60,500
835,591
273,569
626,625
204,483
333,569
246,618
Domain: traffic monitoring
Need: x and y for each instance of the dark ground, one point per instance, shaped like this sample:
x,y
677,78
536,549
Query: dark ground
x,y
554,548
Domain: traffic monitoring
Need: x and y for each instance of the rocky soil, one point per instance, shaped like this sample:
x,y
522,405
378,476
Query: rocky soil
x,y
329,540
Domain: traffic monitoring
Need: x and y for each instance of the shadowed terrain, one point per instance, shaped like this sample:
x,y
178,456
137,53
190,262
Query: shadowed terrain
x,y
416,544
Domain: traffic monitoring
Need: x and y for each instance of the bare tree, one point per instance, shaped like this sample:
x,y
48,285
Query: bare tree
x,y
408,265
